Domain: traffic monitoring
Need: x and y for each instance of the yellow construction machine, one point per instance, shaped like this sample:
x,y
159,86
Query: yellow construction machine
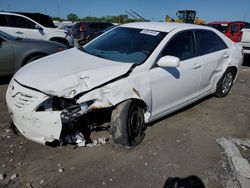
x,y
186,16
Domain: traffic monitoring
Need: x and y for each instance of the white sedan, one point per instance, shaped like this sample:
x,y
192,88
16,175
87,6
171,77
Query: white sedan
x,y
122,80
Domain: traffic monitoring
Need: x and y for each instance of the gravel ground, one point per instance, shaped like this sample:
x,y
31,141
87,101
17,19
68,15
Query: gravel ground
x,y
179,145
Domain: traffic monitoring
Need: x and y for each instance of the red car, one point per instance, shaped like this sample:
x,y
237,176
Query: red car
x,y
231,29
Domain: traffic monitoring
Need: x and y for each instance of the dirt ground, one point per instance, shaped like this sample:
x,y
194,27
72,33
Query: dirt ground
x,y
181,145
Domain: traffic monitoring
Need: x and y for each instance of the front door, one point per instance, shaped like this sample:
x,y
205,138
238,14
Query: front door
x,y
174,87
7,65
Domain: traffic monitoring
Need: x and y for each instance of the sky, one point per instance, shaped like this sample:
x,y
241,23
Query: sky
x,y
154,10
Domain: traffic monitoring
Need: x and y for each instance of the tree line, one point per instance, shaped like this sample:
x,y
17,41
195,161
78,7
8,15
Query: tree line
x,y
123,18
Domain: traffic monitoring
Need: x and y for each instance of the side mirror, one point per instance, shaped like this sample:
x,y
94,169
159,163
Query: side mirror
x,y
168,61
39,28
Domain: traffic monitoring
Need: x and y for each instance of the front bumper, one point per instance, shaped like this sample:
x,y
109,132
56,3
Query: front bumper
x,y
38,126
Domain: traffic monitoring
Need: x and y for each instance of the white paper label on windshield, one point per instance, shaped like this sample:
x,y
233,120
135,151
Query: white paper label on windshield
x,y
149,32
224,24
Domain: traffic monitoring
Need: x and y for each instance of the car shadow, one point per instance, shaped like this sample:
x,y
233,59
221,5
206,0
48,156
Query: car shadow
x,y
180,110
246,60
188,182
5,80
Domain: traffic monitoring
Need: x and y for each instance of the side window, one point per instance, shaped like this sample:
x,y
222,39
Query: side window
x,y
3,20
208,42
102,26
234,28
182,46
108,25
92,26
99,26
20,22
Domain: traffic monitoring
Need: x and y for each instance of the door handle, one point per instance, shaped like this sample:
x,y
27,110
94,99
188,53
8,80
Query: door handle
x,y
19,32
196,66
225,55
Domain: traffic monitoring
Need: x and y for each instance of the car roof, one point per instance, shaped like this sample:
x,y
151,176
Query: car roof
x,y
162,26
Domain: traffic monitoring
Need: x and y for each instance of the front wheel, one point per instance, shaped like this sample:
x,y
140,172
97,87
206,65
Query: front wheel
x,y
225,83
127,124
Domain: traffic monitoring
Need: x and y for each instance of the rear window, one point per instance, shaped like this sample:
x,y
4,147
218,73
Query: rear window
x,y
3,21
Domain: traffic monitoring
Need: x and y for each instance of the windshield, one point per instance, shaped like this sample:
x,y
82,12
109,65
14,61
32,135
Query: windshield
x,y
7,36
222,28
127,45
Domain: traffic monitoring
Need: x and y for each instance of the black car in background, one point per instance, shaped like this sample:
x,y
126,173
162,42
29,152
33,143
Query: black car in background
x,y
83,29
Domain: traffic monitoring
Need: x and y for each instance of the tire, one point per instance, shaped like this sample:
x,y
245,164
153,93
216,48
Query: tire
x,y
225,83
33,58
127,124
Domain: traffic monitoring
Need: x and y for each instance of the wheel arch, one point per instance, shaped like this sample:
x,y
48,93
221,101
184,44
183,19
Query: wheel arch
x,y
60,40
28,57
141,104
234,69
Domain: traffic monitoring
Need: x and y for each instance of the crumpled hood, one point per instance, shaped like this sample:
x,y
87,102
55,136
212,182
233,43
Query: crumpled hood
x,y
68,73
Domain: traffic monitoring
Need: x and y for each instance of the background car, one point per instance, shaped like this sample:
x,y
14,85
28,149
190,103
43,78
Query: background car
x,y
35,26
231,29
91,36
245,41
16,52
83,29
68,28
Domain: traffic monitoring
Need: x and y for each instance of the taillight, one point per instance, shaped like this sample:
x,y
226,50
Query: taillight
x,y
82,27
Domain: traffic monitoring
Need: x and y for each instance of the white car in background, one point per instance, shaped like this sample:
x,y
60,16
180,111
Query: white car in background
x,y
130,76
34,26
245,41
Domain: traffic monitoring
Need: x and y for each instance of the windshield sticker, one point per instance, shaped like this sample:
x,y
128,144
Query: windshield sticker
x,y
149,32
224,24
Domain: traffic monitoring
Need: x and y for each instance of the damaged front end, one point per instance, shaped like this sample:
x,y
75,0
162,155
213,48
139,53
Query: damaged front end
x,y
54,120
79,120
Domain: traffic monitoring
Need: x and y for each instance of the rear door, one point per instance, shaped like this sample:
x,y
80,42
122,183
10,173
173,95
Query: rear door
x,y
212,54
22,27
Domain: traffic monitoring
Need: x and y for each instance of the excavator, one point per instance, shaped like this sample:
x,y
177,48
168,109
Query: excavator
x,y
186,16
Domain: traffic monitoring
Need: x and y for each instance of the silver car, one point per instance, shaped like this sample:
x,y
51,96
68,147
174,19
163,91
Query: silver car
x,y
16,52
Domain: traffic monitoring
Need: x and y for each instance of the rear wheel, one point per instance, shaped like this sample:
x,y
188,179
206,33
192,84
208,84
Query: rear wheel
x,y
127,124
225,83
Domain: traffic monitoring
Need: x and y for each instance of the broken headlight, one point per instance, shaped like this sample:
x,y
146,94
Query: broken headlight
x,y
55,104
